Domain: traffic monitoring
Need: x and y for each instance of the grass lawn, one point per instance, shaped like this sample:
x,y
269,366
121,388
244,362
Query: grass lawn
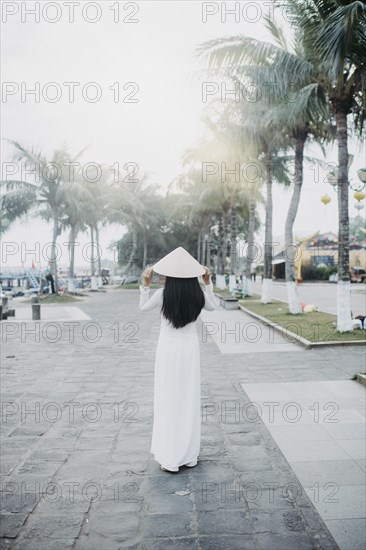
x,y
134,286
226,293
316,326
55,299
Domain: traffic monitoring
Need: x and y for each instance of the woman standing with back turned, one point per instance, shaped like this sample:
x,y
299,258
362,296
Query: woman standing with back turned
x,y
177,380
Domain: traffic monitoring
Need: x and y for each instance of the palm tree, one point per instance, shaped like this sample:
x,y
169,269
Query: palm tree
x,y
76,202
15,204
259,124
334,37
96,214
223,194
132,204
201,202
47,189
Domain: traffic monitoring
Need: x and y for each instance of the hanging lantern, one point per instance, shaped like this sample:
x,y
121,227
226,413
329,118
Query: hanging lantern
x,y
325,199
362,174
359,195
332,176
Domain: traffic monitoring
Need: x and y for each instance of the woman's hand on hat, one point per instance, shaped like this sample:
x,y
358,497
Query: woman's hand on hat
x,y
206,276
147,276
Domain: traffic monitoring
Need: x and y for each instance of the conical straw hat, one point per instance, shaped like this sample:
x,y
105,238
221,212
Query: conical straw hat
x,y
179,263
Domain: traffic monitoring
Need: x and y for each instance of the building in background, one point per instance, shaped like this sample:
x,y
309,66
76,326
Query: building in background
x,y
316,257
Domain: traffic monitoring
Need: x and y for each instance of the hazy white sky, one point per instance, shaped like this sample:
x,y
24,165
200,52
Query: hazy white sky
x,y
157,54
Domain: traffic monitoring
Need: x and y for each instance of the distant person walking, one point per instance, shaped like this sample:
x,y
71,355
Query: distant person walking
x,y
49,278
177,379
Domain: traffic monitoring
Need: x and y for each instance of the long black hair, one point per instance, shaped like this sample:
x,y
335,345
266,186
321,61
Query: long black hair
x,y
183,300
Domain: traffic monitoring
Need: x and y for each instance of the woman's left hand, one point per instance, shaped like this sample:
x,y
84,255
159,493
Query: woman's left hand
x,y
147,276
206,276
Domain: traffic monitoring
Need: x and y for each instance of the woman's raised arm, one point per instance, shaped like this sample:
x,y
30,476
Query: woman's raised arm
x,y
210,299
147,302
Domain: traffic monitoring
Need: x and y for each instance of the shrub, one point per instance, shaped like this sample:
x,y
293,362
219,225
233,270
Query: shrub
x,y
312,272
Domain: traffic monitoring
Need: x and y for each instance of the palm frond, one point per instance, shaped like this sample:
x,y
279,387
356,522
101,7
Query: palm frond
x,y
343,30
237,51
276,32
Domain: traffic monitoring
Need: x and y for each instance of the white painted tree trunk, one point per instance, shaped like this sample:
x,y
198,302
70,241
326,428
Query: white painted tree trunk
x,y
344,319
266,291
94,283
291,247
268,252
249,287
293,297
232,282
53,261
220,282
71,285
100,281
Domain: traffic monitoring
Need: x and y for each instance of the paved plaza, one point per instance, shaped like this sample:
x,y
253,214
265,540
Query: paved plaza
x,y
77,473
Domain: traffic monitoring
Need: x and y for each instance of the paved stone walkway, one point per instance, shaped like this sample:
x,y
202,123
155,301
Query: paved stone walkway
x,y
76,431
320,428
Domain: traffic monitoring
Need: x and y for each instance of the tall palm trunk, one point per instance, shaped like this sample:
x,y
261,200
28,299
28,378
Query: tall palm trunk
x,y
233,236
71,283
132,253
203,253
344,317
224,244
92,257
208,249
53,266
99,256
93,279
267,275
199,246
251,248
220,249
144,253
290,251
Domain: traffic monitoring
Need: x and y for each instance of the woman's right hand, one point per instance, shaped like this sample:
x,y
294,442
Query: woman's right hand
x,y
147,276
206,276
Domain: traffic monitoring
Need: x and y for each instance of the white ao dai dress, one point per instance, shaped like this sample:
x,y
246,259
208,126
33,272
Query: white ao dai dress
x,y
177,386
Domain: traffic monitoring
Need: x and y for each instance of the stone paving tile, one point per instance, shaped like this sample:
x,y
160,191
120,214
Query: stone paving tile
x,y
112,493
11,524
166,525
246,542
93,541
344,531
24,543
13,502
343,502
184,543
162,503
339,471
286,541
118,527
45,527
224,522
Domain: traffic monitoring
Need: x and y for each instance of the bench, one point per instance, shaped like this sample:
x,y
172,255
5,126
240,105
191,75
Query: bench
x,y
228,302
4,312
